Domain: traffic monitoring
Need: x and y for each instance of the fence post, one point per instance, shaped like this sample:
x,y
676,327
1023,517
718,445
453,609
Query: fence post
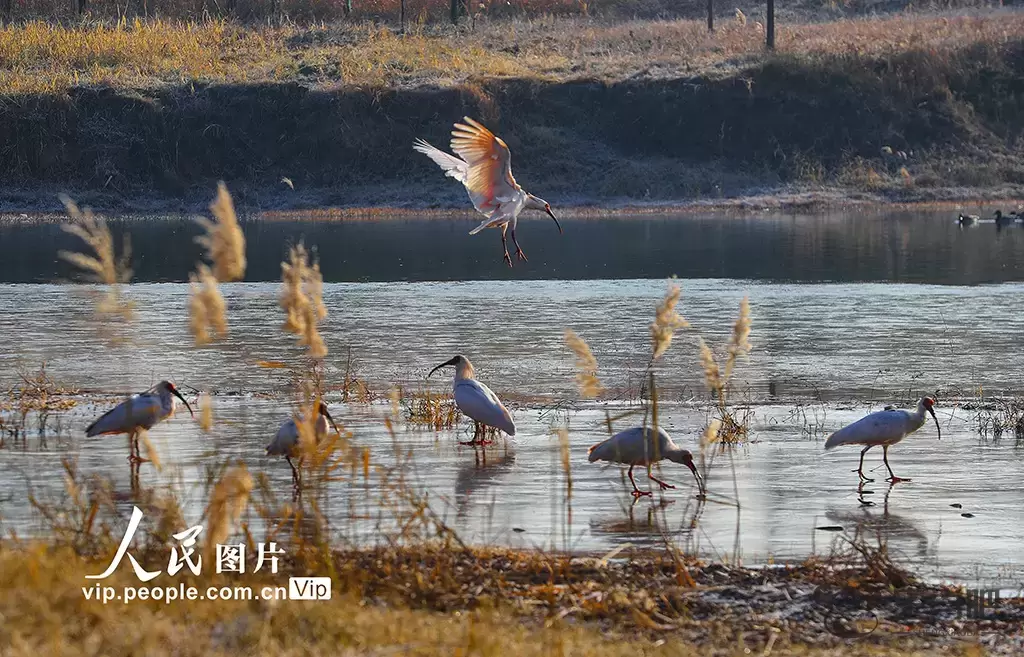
x,y
5,14
711,15
770,27
455,12
401,16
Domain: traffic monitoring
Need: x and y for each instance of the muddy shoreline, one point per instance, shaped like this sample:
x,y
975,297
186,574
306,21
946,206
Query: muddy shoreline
x,y
43,206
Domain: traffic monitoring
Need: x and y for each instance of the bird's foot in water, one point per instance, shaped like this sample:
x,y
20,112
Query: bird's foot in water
x,y
136,460
665,486
641,493
896,480
508,259
521,255
862,477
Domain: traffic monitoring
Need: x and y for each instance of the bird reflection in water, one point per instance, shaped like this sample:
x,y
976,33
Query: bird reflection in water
x,y
885,526
484,471
647,523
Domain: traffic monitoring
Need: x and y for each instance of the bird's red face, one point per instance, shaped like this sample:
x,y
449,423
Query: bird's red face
x,y
929,405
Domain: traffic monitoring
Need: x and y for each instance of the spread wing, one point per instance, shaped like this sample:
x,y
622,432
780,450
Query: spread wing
x,y
452,166
489,176
478,402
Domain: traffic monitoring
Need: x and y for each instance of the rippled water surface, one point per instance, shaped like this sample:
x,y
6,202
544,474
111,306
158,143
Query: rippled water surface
x,y
823,354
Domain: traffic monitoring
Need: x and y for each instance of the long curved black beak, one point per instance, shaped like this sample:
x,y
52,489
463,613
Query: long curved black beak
x,y
444,364
696,475
174,391
936,423
552,215
323,410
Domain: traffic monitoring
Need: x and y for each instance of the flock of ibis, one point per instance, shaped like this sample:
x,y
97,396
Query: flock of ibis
x,y
482,163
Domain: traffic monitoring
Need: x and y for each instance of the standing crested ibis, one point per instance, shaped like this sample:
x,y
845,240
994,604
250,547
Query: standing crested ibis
x,y
484,166
885,428
640,446
477,401
287,437
138,412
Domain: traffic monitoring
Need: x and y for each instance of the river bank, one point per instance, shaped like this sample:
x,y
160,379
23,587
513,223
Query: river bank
x,y
637,114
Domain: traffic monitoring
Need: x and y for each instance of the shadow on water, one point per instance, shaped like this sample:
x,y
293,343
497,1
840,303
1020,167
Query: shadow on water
x,y
897,247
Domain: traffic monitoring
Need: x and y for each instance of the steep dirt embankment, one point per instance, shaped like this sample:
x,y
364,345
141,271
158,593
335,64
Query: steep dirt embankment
x,y
784,122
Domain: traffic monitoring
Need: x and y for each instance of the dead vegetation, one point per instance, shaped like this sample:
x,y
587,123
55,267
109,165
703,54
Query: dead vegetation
x,y
103,265
302,300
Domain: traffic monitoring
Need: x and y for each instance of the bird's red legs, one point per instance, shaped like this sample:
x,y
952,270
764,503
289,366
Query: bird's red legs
x,y
519,251
661,483
295,474
636,491
885,458
504,245
860,469
134,453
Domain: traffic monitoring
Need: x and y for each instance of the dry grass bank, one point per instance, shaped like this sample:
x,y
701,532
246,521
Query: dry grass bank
x,y
490,603
906,108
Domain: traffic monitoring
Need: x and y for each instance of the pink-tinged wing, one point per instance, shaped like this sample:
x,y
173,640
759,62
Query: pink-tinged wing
x,y
489,178
875,429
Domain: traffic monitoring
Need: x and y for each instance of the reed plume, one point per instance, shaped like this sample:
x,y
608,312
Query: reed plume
x,y
302,300
227,502
207,319
104,266
205,412
586,366
666,321
224,241
718,379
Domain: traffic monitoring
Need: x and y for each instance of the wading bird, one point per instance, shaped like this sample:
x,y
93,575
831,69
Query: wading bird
x,y
885,428
287,437
967,219
484,166
637,446
136,413
476,401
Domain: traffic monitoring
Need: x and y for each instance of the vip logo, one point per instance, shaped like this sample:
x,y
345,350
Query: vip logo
x,y
309,588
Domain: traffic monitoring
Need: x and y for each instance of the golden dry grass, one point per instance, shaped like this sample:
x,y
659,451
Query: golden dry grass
x,y
666,322
223,241
103,265
458,612
44,57
586,366
302,300
207,318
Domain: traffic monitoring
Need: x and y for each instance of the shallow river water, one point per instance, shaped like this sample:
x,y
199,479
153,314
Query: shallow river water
x,y
824,354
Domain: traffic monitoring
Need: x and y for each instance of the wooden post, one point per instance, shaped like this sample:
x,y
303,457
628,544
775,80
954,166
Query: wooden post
x,y
5,14
455,12
401,16
711,15
82,6
770,27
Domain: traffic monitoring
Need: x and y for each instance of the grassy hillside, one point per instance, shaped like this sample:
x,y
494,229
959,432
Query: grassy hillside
x,y
907,107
